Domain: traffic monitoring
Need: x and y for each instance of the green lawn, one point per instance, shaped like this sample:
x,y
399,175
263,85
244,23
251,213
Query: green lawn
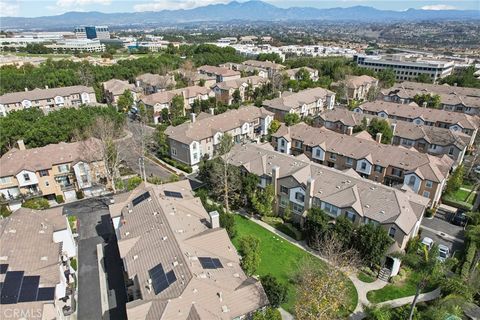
x,y
280,258
401,289
362,276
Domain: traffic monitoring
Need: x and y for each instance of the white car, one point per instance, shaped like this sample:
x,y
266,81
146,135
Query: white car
x,y
427,242
443,252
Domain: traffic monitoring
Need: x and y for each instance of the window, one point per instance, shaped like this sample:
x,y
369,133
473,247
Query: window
x,y
333,156
429,184
43,173
331,209
378,169
195,156
363,166
47,183
391,232
283,189
396,172
282,143
5,180
318,153
63,168
297,208
411,180
350,216
174,151
298,144
426,194
349,161
284,202
450,151
300,197
194,146
26,177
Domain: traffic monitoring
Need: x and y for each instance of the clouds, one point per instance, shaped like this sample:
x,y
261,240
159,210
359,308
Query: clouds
x,y
439,7
79,3
9,9
158,5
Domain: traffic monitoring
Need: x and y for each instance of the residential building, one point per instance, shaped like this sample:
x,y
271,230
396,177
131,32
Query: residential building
x,y
225,90
357,87
191,141
92,32
271,67
452,98
305,103
422,116
163,100
54,170
178,262
406,67
244,69
391,165
220,74
427,139
292,73
302,184
47,99
153,83
114,88
79,45
36,276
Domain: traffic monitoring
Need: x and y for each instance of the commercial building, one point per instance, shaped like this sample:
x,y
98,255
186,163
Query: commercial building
x,y
428,139
406,67
36,276
191,141
54,170
391,165
422,116
179,263
224,91
92,32
47,99
220,74
78,45
305,103
302,184
452,98
356,87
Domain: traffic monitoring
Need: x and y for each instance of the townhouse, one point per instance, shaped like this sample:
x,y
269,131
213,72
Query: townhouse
x,y
292,73
54,170
47,99
36,248
244,69
422,116
391,165
220,74
153,83
163,100
271,67
114,88
191,141
452,98
434,140
302,184
305,103
225,90
357,87
178,262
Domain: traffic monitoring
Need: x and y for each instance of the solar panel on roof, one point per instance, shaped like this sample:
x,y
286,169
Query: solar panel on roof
x,y
3,268
29,289
210,263
160,280
46,294
173,194
217,263
171,278
140,198
11,287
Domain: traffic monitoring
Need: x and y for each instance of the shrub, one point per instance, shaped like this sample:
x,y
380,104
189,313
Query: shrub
x,y
276,291
249,248
133,182
267,314
80,194
177,164
59,198
37,204
469,257
73,264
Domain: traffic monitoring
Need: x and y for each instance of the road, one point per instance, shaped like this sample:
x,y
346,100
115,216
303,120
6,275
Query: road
x,y
441,231
130,151
95,228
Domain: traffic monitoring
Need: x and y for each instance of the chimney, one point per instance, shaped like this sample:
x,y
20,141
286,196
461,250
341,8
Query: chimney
x,y
394,127
279,94
424,104
26,89
455,84
350,131
309,193
137,83
275,176
214,219
290,89
192,117
46,87
212,111
368,121
378,137
21,145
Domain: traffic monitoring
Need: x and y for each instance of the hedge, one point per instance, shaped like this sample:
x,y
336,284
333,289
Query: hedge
x,y
177,164
448,200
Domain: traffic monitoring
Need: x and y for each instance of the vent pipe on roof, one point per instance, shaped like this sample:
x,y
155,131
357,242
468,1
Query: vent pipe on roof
x,y
192,117
214,219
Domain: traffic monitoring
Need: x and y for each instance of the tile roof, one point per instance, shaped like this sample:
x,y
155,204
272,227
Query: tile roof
x,y
205,127
167,96
432,168
42,94
117,87
44,158
413,111
370,199
263,64
293,72
289,101
237,83
225,72
173,232
354,82
155,79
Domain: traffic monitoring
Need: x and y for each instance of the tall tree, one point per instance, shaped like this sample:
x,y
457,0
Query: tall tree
x,y
249,248
125,101
381,126
291,119
263,201
177,108
223,175
387,78
429,100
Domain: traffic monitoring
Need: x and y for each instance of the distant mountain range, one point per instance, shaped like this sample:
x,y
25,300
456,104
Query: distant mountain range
x,y
239,11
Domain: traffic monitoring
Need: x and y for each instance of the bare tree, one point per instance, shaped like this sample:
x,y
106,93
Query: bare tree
x,y
188,71
323,292
226,176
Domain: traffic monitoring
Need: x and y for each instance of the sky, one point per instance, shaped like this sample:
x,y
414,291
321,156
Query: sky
x,y
34,8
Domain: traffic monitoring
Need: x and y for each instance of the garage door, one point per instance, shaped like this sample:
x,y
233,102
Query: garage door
x,y
70,195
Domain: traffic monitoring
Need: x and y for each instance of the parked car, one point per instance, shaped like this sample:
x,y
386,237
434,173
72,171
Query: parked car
x,y
460,218
443,252
427,242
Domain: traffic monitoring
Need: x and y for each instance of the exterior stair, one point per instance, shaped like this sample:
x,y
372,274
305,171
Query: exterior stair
x,y
384,274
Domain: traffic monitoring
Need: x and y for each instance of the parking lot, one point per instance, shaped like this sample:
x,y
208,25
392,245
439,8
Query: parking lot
x,y
441,231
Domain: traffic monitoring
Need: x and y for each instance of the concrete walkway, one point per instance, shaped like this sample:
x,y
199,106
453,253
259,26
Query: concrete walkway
x,y
285,314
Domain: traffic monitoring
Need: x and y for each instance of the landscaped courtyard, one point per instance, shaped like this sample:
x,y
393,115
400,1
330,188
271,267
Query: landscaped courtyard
x,y
281,259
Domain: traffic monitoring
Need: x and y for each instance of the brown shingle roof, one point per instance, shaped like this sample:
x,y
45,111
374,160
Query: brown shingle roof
x,y
291,101
41,94
167,96
225,72
237,83
117,87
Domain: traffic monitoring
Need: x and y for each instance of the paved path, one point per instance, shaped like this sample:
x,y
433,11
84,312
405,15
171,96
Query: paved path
x,y
285,314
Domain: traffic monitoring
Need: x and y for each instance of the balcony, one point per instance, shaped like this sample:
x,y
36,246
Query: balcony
x,y
67,187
